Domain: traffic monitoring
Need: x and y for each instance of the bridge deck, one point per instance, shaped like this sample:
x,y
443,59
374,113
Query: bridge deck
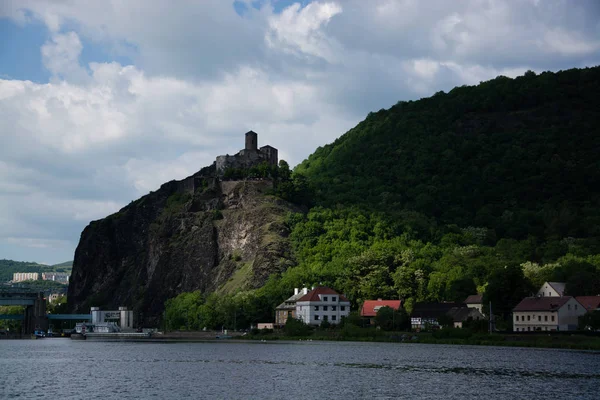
x,y
12,316
64,317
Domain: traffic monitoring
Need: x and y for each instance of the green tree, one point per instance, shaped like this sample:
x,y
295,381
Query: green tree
x,y
390,319
505,289
295,327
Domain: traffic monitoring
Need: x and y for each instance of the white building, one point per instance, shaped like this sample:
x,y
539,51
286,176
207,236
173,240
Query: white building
x,y
552,289
547,314
55,276
322,304
123,318
25,276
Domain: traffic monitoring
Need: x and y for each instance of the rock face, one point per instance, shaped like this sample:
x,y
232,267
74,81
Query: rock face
x,y
210,236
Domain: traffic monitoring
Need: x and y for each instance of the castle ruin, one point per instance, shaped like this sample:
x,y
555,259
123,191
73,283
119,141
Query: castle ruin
x,y
249,157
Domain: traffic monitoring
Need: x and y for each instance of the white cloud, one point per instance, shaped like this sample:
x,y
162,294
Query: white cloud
x,y
299,31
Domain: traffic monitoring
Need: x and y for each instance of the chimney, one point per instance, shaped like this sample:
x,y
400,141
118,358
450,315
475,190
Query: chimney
x,y
295,291
379,299
305,290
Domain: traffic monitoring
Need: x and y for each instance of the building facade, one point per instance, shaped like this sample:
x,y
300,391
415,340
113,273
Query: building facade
x,y
25,276
552,289
547,314
287,309
55,276
322,304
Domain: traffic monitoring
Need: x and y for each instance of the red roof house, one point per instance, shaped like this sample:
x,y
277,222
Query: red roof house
x,y
370,307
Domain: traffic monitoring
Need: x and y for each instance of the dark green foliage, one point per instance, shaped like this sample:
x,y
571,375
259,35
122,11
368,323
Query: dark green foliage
x,y
506,288
518,156
295,327
390,319
590,321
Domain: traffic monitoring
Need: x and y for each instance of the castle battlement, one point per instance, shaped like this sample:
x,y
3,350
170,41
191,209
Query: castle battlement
x,y
249,157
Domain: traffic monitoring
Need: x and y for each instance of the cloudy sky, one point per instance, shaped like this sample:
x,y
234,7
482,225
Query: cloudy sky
x,y
102,101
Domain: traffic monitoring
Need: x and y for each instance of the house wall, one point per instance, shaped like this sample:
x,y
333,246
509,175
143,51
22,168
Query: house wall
x,y
305,310
568,315
547,291
281,316
528,321
563,319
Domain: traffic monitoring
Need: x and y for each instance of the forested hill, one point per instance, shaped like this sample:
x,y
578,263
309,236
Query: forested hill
x,y
519,156
9,267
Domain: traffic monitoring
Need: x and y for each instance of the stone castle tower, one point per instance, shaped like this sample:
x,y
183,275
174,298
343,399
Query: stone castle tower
x,y
250,156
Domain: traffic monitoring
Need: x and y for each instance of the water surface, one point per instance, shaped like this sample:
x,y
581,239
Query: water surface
x,y
66,369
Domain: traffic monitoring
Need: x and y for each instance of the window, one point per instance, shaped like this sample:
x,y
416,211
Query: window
x,y
549,294
516,317
517,330
528,328
569,307
333,308
539,318
333,317
324,308
316,317
333,298
324,298
343,308
528,317
316,308
324,317
553,318
545,318
576,306
289,313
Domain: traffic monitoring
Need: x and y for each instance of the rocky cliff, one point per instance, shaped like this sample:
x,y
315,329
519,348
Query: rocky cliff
x,y
198,233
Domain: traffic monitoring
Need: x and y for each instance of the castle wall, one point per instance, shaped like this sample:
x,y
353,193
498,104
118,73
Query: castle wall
x,y
248,157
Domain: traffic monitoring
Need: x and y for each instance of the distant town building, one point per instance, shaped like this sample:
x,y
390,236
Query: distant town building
x,y
249,157
25,276
56,276
287,309
552,289
322,304
547,314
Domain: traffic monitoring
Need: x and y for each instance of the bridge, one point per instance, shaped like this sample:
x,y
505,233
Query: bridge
x,y
34,316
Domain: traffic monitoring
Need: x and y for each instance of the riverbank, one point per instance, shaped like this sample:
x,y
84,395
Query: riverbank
x,y
574,341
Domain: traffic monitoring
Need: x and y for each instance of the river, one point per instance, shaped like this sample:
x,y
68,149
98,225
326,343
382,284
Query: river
x,y
66,369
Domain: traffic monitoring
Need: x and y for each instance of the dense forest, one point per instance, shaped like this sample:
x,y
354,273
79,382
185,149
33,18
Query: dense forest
x,y
489,189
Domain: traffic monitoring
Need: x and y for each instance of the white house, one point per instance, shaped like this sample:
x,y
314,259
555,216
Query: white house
x,y
322,304
547,314
552,289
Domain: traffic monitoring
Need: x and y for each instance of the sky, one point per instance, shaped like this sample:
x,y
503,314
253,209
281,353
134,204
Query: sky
x,y
103,101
